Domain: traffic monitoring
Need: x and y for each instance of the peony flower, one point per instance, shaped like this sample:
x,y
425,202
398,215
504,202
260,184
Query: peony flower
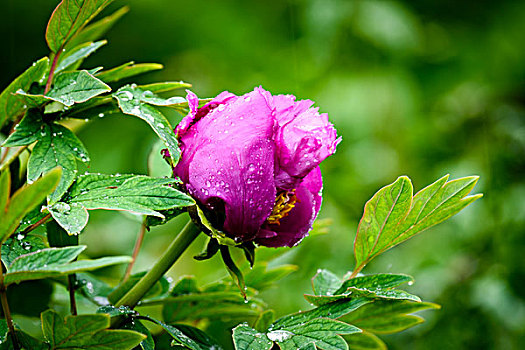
x,y
253,161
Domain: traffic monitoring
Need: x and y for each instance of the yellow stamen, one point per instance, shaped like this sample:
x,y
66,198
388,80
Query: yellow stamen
x,y
284,203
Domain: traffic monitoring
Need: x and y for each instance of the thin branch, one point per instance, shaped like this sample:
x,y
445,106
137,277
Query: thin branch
x,y
52,71
36,224
136,249
5,308
71,286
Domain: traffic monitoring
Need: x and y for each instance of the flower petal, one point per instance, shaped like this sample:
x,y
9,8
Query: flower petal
x,y
304,139
294,227
229,156
196,113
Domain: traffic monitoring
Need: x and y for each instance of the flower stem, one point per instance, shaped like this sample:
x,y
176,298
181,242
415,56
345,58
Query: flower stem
x,y
170,256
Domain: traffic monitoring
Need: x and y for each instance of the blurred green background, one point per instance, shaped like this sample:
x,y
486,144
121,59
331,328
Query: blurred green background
x,y
422,88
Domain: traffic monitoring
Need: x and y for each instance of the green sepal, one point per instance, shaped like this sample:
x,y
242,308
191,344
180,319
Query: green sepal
x,y
211,249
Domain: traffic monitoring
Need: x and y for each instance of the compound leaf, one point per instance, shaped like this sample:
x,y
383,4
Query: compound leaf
x,y
393,215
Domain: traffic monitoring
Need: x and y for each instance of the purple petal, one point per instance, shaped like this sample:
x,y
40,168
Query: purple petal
x,y
229,156
304,139
196,113
294,227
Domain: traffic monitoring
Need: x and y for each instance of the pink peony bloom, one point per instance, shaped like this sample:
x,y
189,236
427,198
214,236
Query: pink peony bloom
x,y
254,160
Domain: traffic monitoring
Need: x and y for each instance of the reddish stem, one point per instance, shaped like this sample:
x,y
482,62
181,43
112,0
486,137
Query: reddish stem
x,y
52,71
136,250
36,224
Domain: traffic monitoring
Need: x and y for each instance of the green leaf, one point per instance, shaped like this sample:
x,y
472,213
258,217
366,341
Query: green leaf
x,y
20,244
27,131
135,193
364,341
26,199
135,101
4,330
369,286
71,217
382,293
165,86
167,216
49,256
73,57
100,106
12,105
69,88
76,87
393,215
247,338
189,337
96,30
86,332
70,17
324,333
5,189
57,146
127,70
381,280
332,310
325,283
388,316
137,326
52,262
113,311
